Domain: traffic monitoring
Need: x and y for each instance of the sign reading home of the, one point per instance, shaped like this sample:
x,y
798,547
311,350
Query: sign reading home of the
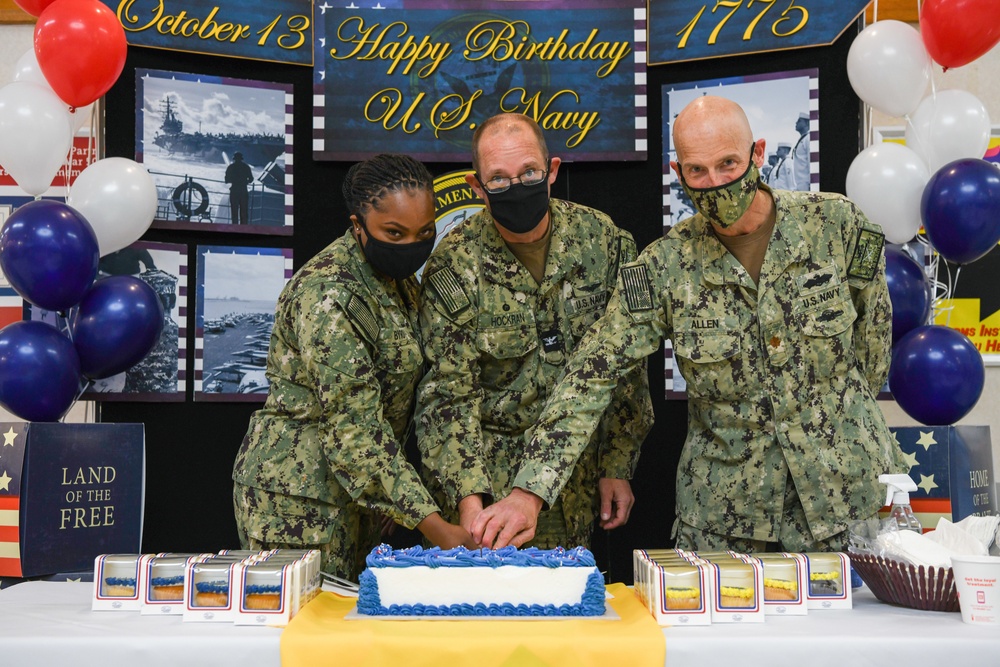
x,y
276,30
419,78
682,30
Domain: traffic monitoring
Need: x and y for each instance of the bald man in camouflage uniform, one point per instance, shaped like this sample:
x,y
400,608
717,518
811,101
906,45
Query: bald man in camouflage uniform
x,y
499,325
783,354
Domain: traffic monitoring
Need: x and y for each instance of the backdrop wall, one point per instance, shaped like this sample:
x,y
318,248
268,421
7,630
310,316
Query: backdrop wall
x,y
191,446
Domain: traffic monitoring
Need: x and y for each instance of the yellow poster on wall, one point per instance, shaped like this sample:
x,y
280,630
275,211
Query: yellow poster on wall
x,y
965,315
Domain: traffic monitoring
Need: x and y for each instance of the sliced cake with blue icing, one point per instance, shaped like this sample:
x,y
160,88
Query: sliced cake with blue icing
x,y
460,582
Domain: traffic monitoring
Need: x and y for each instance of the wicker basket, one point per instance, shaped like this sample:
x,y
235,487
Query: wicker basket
x,y
930,588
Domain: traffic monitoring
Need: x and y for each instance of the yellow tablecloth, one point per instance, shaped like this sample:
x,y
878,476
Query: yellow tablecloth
x,y
319,635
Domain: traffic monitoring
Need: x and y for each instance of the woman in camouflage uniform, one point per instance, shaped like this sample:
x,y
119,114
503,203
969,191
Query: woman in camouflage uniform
x,y
324,457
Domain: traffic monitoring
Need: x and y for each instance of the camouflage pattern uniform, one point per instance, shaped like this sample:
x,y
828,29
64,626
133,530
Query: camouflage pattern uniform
x,y
343,365
782,376
497,342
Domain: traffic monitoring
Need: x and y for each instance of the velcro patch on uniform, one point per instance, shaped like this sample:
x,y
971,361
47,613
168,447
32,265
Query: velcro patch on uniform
x,y
867,253
363,319
445,284
635,282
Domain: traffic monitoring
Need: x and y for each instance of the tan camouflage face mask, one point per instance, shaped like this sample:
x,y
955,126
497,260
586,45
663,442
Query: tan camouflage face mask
x,y
725,204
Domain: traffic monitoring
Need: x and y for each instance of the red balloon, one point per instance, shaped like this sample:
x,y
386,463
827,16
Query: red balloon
x,y
956,32
33,7
81,48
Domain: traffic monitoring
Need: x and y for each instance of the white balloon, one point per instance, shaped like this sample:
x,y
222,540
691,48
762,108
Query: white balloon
x,y
951,125
117,196
27,69
889,68
35,134
887,181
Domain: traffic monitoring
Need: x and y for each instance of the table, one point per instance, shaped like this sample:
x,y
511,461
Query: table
x,y
51,623
47,623
871,634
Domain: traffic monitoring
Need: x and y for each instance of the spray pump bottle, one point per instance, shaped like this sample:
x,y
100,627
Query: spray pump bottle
x,y
897,492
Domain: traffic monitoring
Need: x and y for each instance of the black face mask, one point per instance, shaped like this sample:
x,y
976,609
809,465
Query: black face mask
x,y
396,260
520,207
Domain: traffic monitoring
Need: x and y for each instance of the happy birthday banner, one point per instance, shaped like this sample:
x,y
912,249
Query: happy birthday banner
x,y
417,76
275,30
683,30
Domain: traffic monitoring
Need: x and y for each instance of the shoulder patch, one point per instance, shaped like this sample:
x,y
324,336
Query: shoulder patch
x,y
445,284
867,254
362,318
635,282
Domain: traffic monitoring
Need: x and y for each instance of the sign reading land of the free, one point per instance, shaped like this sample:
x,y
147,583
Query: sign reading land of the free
x,y
682,30
418,76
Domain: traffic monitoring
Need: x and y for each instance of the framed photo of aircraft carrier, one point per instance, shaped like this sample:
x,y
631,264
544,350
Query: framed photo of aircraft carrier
x,y
218,149
236,293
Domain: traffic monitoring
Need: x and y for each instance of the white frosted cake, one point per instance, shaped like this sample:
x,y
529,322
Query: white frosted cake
x,y
460,582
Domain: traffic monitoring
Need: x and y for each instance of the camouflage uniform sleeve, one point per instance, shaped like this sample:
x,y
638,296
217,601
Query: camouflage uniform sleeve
x,y
449,398
629,417
630,330
863,241
359,442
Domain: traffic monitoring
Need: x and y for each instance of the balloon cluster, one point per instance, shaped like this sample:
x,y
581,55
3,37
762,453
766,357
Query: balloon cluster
x,y
49,254
938,179
49,250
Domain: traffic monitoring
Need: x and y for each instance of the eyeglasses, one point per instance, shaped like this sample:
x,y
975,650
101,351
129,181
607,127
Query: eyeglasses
x,y
530,177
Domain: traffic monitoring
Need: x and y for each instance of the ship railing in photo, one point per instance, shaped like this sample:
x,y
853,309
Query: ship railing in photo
x,y
185,198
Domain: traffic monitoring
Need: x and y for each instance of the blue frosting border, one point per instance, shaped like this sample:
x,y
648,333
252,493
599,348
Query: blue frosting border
x,y
370,603
212,586
385,556
120,581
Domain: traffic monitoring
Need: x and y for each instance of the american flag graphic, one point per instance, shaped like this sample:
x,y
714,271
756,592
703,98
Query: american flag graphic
x,y
11,304
11,462
940,459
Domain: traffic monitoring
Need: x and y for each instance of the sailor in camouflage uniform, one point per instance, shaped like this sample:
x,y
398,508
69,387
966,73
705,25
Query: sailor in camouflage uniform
x,y
507,296
784,348
325,453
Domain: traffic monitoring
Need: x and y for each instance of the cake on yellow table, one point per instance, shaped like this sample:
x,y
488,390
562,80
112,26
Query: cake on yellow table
x,y
460,582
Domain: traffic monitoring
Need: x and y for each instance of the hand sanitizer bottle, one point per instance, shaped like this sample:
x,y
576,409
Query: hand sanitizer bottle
x,y
898,489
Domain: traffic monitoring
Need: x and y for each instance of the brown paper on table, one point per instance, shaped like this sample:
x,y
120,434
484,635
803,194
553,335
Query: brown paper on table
x,y
318,634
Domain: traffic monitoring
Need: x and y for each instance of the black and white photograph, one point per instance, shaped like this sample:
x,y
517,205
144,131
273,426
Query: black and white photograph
x,y
161,374
218,150
783,109
237,291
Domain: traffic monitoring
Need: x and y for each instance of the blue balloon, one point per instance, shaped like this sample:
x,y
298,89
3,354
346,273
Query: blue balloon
x,y
909,292
936,375
49,253
118,322
960,208
39,371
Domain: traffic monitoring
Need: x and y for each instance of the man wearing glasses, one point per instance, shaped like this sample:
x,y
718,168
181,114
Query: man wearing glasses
x,y
506,298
